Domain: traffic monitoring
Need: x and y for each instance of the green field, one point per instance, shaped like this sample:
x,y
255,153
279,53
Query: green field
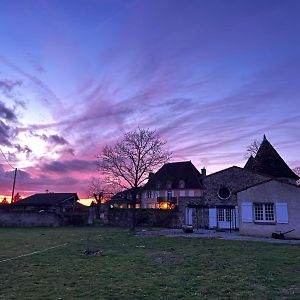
x,y
130,267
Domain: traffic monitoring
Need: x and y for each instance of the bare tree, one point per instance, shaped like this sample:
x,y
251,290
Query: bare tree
x,y
101,190
132,158
252,149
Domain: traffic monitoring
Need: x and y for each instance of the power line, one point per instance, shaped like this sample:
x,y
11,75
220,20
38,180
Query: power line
x,y
7,160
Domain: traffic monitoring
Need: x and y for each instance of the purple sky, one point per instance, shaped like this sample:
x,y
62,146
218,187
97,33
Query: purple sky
x,y
210,76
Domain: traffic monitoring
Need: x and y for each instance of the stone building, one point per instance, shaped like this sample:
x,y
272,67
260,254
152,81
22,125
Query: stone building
x,y
218,208
171,182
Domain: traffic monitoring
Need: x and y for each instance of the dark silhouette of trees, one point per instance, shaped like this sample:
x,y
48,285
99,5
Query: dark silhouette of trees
x,y
129,162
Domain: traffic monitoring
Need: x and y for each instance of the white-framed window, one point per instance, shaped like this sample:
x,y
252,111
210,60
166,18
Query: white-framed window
x,y
157,194
182,193
264,212
221,217
149,194
191,193
169,194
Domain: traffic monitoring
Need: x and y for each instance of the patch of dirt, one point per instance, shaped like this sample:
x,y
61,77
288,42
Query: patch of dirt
x,y
92,253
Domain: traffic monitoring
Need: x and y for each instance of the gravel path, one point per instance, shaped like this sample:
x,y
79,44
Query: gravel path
x,y
203,233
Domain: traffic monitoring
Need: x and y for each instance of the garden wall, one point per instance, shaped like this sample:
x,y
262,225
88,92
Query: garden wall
x,y
144,217
29,219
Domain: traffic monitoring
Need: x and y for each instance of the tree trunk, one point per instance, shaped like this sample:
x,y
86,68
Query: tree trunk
x,y
133,206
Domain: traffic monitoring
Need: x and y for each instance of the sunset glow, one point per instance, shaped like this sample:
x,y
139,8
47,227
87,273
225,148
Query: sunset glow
x,y
210,77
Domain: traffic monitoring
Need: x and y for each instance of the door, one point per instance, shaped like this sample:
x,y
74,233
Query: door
x,y
188,216
226,218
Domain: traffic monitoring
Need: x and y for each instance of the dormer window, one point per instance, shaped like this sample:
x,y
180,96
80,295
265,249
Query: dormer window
x,y
181,184
169,184
158,185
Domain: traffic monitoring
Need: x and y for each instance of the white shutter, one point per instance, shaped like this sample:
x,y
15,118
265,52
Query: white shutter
x,y
166,194
282,213
212,212
172,193
246,210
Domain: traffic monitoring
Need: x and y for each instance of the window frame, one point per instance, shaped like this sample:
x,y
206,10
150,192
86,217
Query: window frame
x,y
266,213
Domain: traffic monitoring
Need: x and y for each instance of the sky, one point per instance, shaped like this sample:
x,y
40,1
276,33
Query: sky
x,y
209,76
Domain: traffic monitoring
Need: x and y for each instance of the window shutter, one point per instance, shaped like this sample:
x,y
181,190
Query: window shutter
x,y
246,210
212,212
282,213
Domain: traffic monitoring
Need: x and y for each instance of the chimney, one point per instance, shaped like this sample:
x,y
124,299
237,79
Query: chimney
x,y
203,172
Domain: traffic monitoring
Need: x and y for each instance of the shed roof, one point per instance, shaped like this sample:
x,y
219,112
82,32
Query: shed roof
x,y
46,199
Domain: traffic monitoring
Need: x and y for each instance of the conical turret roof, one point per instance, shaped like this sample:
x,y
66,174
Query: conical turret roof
x,y
267,161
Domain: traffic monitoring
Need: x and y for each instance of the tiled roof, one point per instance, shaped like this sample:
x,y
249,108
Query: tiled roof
x,y
173,173
46,199
268,161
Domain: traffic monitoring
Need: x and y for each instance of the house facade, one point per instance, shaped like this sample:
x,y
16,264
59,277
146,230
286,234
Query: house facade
x,y
268,207
170,183
218,208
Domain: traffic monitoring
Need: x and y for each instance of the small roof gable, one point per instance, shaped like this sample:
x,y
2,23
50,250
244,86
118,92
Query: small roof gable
x,y
174,173
46,199
268,161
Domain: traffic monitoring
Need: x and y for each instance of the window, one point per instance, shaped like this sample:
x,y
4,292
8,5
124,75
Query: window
x,y
264,212
169,184
169,195
158,185
191,193
228,214
157,193
181,193
149,194
221,215
224,193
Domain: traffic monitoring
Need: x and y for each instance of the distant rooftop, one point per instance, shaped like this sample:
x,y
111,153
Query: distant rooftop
x,y
46,199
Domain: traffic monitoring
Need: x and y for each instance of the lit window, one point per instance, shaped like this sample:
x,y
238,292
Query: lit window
x,y
264,212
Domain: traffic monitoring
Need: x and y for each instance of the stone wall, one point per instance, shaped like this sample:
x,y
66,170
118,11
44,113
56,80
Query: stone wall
x,y
23,218
29,219
234,179
144,217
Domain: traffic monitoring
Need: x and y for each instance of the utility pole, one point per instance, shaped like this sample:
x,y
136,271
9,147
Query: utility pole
x,y
13,189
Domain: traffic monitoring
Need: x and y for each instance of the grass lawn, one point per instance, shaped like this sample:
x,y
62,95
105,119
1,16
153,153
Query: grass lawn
x,y
143,267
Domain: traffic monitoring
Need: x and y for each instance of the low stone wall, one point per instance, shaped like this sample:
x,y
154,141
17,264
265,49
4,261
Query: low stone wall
x,y
13,218
29,219
144,217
